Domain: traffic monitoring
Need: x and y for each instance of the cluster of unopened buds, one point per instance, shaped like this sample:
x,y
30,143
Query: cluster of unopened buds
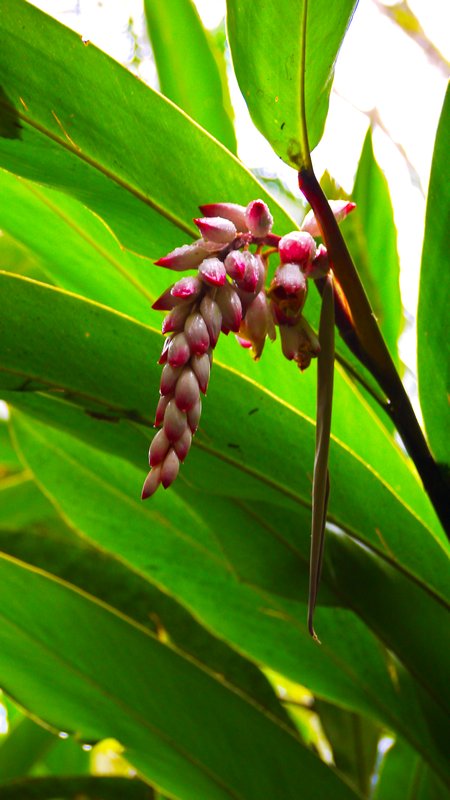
x,y
228,293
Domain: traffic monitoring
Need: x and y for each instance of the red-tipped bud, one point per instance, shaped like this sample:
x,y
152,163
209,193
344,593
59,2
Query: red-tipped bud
x,y
166,301
231,307
249,280
161,409
189,287
163,357
169,468
340,209
183,444
320,266
158,449
257,324
187,390
259,219
185,257
288,292
245,343
193,416
299,342
175,421
212,315
175,319
298,247
197,334
216,229
212,272
179,351
201,366
231,211
289,341
151,482
169,377
235,264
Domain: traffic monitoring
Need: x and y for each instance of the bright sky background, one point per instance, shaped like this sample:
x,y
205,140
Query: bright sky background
x,y
379,67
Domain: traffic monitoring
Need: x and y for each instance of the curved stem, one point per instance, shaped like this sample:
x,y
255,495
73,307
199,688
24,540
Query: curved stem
x,y
373,353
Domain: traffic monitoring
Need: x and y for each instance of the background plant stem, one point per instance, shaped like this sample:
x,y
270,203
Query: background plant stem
x,y
373,352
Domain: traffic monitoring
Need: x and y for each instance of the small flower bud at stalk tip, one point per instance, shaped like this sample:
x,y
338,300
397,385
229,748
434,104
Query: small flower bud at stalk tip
x,y
212,272
151,482
158,449
179,351
187,390
232,211
169,468
196,334
175,422
258,218
216,229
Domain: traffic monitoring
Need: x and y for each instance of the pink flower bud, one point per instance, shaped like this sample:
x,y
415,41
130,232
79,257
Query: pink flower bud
x,y
158,449
212,315
185,257
161,409
249,279
169,377
288,292
187,390
193,416
231,211
298,246
212,272
201,367
257,324
340,209
183,444
235,264
216,229
320,266
169,468
189,287
259,219
196,334
163,357
231,307
166,301
299,342
175,319
179,351
289,341
151,482
175,421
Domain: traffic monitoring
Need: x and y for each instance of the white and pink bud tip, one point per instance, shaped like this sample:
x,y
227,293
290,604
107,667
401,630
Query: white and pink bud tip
x,y
298,247
259,219
185,257
340,209
320,266
232,211
257,325
216,229
212,272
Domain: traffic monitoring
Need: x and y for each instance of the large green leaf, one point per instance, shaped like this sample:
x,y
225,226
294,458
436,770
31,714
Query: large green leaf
x,y
180,559
76,120
402,773
182,727
433,347
187,69
74,788
280,65
26,744
371,236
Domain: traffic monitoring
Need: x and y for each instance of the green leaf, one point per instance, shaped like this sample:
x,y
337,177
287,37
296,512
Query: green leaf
x,y
350,668
187,69
118,146
354,741
402,773
370,234
272,53
74,788
433,347
153,699
26,744
9,461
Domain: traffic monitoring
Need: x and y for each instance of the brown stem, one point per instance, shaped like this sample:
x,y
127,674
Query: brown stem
x,y
368,345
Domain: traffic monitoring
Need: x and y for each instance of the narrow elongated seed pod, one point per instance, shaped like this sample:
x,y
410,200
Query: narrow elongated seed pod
x,y
183,444
179,351
187,390
151,482
169,468
201,366
169,377
158,449
212,315
196,333
175,421
216,229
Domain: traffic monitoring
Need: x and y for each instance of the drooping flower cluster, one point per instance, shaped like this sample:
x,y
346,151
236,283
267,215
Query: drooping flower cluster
x,y
228,293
